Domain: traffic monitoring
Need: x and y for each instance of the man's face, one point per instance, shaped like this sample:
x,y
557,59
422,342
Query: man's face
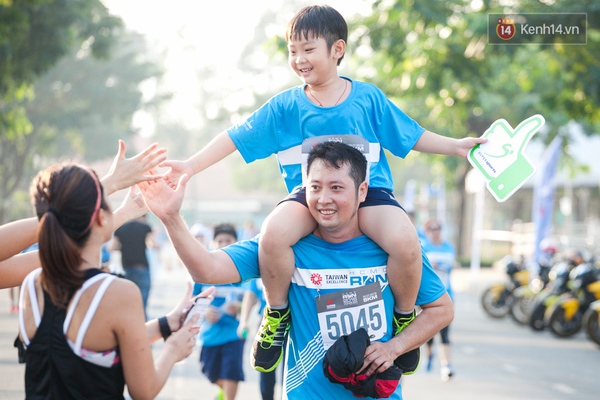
x,y
333,200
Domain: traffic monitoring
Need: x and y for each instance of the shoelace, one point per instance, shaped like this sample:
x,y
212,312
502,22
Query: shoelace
x,y
268,334
403,323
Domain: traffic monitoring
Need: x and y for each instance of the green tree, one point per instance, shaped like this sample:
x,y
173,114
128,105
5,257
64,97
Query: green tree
x,y
84,104
34,35
433,59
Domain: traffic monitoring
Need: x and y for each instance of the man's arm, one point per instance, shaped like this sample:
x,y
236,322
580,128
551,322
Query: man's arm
x,y
431,320
433,143
212,267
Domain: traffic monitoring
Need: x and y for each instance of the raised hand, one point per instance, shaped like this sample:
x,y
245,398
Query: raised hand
x,y
163,200
125,172
176,170
132,207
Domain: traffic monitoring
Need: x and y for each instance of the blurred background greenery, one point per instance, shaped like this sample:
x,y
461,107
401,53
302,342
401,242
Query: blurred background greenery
x,y
74,79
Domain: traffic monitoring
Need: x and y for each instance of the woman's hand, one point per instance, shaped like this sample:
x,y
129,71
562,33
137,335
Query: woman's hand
x,y
132,207
177,315
125,172
181,343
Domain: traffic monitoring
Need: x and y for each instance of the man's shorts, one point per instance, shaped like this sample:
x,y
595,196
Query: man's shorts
x,y
375,197
223,362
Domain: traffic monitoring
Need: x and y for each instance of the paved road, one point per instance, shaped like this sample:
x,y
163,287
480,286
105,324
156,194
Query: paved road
x,y
493,359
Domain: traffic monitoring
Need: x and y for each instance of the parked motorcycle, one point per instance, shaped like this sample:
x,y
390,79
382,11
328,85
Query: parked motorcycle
x,y
557,285
523,296
565,316
498,298
591,322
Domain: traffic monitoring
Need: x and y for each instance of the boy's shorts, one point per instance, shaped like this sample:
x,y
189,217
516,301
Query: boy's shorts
x,y
223,362
375,197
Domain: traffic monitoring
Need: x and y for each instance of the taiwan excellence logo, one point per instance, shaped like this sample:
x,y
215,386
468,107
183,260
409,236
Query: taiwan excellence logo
x,y
316,279
505,28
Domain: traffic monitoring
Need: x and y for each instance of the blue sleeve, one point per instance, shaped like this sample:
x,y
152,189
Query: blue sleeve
x,y
245,257
257,137
432,287
396,131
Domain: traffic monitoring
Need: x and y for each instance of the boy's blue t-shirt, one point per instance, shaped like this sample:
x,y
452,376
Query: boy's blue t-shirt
x,y
225,329
281,125
324,269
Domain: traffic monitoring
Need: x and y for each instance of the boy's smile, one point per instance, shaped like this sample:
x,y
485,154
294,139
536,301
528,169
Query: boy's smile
x,y
312,60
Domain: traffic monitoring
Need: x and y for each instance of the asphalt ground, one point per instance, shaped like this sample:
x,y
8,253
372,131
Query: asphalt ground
x,y
493,359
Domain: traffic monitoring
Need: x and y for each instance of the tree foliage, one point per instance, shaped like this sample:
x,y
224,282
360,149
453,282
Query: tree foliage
x,y
434,60
84,104
59,93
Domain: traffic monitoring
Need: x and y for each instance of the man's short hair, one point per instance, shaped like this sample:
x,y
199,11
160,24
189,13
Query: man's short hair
x,y
228,229
335,155
318,21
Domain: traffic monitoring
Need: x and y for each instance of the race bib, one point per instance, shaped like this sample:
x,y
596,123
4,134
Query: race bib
x,y
341,313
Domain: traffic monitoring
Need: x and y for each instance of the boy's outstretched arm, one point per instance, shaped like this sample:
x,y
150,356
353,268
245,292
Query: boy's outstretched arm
x,y
433,143
217,149
211,267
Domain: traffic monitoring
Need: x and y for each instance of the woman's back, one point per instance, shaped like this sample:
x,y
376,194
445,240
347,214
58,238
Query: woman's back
x,y
58,364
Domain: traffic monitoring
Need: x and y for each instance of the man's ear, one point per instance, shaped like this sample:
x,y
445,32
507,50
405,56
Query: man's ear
x,y
338,49
362,191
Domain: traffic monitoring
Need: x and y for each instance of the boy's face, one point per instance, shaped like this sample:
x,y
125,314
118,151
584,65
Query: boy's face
x,y
312,60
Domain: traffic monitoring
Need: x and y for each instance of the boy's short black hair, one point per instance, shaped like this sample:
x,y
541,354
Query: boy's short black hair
x,y
336,154
228,229
320,21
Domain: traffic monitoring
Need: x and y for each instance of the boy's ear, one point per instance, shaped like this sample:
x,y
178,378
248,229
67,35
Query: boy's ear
x,y
338,49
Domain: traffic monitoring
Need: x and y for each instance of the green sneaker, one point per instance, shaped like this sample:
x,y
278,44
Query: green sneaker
x,y
220,395
267,349
407,362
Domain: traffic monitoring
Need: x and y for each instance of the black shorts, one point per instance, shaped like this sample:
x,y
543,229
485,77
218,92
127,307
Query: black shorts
x,y
375,197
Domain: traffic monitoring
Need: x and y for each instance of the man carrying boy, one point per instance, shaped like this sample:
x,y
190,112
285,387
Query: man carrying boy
x,y
350,111
336,259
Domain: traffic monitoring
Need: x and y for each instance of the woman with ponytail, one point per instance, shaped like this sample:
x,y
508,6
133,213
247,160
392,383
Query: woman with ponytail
x,y
82,330
17,236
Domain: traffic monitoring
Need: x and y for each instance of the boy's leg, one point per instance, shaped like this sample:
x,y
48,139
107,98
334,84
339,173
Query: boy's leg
x,y
391,229
288,223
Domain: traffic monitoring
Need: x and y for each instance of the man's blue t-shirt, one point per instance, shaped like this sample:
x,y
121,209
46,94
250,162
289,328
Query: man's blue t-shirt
x,y
326,302
281,125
